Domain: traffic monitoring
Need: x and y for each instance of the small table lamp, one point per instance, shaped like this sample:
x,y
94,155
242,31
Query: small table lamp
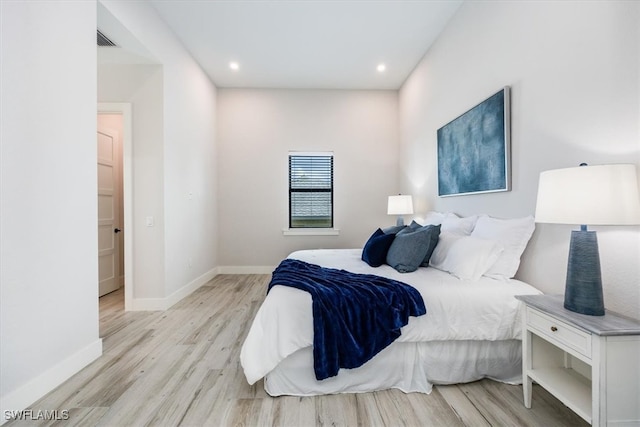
x,y
400,205
595,195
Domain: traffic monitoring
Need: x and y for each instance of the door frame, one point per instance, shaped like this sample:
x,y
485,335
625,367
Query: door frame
x,y
127,192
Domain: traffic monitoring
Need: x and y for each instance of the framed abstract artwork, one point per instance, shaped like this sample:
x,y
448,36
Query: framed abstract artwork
x,y
474,149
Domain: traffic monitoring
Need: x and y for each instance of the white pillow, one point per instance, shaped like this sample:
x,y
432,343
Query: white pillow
x,y
433,218
466,257
450,222
454,224
512,234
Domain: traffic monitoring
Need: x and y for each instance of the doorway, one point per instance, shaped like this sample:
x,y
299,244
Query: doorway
x,y
110,215
116,118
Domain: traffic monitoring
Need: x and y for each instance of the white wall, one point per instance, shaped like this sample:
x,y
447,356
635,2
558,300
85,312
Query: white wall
x,y
189,175
258,128
48,211
573,68
142,86
49,274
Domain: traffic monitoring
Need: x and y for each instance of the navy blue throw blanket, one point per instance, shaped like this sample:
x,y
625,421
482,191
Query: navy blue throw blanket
x,y
355,316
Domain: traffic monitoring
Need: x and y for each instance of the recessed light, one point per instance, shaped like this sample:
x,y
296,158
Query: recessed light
x,y
234,65
381,68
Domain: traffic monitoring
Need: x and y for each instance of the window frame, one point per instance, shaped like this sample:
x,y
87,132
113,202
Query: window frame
x,y
311,230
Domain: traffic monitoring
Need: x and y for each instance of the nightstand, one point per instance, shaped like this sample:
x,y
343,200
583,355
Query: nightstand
x,y
590,363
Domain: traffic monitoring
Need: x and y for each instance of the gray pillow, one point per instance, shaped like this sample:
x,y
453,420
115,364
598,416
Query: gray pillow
x,y
434,232
414,226
393,229
413,248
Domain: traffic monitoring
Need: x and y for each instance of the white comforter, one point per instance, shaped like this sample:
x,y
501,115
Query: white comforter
x,y
456,310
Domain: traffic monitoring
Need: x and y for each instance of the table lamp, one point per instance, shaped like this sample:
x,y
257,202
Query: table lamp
x,y
400,205
587,195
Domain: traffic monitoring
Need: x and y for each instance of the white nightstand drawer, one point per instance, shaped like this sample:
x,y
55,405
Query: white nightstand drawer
x,y
559,333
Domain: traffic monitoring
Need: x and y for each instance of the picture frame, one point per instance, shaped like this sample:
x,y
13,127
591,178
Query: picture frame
x,y
474,149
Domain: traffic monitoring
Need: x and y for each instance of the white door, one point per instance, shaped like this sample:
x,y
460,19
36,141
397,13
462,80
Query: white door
x,y
108,201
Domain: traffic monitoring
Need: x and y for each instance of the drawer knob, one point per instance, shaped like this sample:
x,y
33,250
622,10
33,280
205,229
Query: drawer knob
x,y
553,329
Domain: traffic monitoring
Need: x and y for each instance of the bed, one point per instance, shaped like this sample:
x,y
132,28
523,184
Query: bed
x,y
471,329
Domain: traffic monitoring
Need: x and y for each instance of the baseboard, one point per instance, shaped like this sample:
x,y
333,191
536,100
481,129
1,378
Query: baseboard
x,y
33,390
190,287
246,269
161,304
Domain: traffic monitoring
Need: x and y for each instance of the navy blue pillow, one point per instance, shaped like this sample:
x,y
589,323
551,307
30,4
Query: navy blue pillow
x,y
375,250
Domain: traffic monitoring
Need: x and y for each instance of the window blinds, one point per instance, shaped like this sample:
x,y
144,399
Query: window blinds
x,y
310,191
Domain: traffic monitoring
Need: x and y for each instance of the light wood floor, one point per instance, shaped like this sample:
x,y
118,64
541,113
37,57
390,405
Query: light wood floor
x,y
181,367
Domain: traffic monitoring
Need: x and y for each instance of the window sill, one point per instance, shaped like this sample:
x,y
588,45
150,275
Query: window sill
x,y
311,232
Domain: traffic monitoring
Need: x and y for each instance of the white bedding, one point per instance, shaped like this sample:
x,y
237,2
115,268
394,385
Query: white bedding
x,y
407,366
457,310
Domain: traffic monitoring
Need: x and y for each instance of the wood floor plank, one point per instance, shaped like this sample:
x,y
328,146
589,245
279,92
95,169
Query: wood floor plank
x,y
367,410
392,407
209,402
432,409
80,417
293,411
462,406
491,403
502,404
336,410
142,399
181,367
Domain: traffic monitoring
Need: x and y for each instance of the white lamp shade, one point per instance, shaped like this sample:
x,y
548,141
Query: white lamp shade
x,y
590,195
400,205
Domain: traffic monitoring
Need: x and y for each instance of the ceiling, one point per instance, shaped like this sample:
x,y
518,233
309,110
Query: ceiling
x,y
319,44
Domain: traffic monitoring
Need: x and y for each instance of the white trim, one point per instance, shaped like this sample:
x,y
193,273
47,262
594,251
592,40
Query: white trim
x,y
311,153
190,287
246,269
127,192
33,390
161,304
311,231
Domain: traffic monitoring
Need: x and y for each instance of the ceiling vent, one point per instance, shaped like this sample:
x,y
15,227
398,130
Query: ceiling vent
x,y
104,41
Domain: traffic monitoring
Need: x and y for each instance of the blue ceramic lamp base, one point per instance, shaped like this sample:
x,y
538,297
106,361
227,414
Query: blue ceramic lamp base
x,y
583,292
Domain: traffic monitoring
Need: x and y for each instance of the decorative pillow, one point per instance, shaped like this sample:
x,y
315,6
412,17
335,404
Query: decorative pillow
x,y
434,233
466,257
512,234
410,228
375,250
412,246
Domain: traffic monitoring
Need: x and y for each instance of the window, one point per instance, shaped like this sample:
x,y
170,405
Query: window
x,y
310,190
